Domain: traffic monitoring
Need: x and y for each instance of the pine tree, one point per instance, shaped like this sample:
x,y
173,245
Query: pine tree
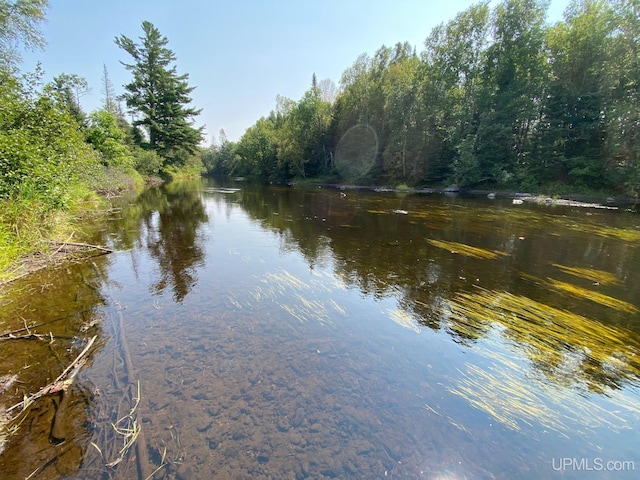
x,y
160,97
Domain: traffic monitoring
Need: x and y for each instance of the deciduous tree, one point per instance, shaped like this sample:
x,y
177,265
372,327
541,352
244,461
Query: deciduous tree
x,y
20,22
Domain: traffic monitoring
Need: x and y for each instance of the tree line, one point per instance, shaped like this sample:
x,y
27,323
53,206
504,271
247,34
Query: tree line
x,y
53,155
497,97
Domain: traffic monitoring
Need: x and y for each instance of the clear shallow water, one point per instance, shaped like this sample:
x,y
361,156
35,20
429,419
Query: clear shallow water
x,y
300,333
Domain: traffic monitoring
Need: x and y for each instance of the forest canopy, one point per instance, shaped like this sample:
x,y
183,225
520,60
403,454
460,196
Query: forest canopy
x,y
496,97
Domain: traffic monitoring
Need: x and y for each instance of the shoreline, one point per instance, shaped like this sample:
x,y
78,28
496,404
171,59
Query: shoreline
x,y
603,201
68,251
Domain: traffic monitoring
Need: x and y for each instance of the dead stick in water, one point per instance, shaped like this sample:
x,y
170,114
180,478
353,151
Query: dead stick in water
x,y
85,245
141,444
63,381
61,245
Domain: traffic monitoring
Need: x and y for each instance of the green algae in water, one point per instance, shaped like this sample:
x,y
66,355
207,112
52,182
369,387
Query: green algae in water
x,y
597,276
572,352
467,250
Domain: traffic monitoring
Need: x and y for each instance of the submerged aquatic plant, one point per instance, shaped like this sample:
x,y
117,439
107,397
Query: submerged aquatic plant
x,y
631,236
596,276
608,355
593,296
569,351
466,250
303,300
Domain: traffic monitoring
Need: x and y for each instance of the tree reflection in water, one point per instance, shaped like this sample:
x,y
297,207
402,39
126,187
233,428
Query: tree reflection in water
x,y
166,222
174,240
448,261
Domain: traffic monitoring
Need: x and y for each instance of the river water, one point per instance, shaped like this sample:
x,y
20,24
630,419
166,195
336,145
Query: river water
x,y
271,332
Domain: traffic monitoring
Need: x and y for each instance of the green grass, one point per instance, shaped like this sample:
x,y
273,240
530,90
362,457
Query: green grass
x,y
21,228
26,223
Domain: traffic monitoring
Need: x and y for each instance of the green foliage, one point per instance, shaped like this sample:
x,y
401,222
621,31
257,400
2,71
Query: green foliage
x,y
147,162
402,103
466,168
497,97
43,161
41,146
256,151
69,88
19,26
160,98
108,138
301,137
220,158
191,168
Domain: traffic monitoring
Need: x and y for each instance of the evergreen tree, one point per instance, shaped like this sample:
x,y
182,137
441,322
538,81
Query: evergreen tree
x,y
160,97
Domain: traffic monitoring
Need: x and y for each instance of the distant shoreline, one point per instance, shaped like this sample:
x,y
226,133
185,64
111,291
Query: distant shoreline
x,y
571,200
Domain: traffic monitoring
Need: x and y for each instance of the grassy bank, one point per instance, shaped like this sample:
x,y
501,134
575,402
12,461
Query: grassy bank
x,y
29,223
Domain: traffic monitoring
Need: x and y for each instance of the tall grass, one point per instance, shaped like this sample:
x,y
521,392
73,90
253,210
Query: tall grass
x,y
29,221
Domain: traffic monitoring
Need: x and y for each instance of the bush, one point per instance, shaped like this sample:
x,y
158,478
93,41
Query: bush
x,y
41,147
147,162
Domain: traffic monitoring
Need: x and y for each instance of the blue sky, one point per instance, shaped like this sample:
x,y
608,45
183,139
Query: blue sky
x,y
239,54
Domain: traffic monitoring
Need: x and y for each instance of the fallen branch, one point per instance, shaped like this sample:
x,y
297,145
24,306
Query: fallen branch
x,y
61,246
11,336
27,328
64,380
39,336
133,433
138,434
83,245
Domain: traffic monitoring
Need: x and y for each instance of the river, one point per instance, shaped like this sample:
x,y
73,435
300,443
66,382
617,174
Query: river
x,y
270,332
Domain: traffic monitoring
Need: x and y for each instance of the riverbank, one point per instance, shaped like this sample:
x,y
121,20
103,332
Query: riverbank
x,y
52,253
585,200
32,239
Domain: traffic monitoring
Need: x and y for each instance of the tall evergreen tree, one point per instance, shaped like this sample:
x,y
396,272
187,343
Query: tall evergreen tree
x,y
160,97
